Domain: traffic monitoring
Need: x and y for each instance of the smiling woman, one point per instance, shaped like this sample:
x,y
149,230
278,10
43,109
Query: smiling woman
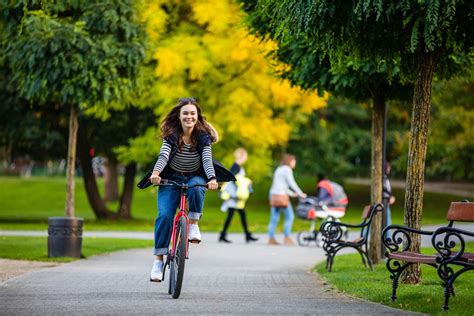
x,y
185,157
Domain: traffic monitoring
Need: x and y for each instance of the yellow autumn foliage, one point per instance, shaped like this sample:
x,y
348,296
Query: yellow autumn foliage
x,y
202,49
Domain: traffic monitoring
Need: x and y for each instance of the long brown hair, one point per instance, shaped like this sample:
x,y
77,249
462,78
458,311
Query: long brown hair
x,y
171,125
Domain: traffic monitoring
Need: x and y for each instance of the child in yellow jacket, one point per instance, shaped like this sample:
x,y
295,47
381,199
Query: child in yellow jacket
x,y
235,195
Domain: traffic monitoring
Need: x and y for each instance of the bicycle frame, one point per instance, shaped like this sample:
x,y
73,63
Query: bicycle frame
x,y
176,265
181,213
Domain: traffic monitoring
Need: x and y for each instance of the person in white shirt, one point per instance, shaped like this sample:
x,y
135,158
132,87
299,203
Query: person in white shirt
x,y
283,186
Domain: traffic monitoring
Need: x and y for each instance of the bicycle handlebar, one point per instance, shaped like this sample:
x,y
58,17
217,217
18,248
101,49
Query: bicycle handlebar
x,y
171,183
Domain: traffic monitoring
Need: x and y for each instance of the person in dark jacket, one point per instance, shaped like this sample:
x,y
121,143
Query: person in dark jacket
x,y
233,200
185,157
387,197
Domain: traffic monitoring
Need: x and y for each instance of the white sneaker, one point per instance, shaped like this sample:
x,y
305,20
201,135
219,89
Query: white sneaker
x,y
156,274
194,233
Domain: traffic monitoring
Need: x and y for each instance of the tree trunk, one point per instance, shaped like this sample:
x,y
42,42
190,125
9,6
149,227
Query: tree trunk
x,y
95,201
416,157
71,160
125,207
378,118
111,191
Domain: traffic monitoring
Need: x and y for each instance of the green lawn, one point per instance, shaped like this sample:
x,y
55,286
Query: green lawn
x,y
27,204
349,276
36,248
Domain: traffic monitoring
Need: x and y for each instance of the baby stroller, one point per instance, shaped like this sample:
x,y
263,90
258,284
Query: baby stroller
x,y
311,209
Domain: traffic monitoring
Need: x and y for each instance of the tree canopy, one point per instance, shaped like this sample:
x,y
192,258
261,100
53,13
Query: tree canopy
x,y
71,52
315,61
202,49
394,33
410,40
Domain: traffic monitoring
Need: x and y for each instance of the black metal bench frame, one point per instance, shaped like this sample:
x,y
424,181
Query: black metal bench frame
x,y
452,258
447,241
333,233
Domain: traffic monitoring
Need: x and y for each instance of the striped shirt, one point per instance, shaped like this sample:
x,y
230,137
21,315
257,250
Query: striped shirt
x,y
185,160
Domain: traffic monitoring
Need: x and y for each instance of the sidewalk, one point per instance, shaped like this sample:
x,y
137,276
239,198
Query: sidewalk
x,y
426,241
463,189
237,278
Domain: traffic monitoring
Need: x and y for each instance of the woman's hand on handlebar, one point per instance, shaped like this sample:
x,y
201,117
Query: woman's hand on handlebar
x,y
213,185
155,178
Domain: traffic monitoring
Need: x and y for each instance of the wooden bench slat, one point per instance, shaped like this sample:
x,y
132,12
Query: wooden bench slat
x,y
467,257
409,256
445,260
414,257
461,212
356,242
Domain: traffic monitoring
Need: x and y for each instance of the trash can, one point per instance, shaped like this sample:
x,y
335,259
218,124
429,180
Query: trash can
x,y
65,236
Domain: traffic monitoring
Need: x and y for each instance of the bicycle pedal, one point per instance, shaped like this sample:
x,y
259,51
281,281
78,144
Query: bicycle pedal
x,y
195,241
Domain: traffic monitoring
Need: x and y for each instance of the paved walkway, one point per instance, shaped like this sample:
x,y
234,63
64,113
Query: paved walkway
x,y
219,279
426,240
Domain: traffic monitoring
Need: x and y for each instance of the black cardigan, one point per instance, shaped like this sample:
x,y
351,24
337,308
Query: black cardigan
x,y
222,174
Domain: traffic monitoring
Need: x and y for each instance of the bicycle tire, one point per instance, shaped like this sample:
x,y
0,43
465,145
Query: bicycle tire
x,y
169,283
177,263
304,238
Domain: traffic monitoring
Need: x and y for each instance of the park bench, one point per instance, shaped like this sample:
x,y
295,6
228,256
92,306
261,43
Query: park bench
x,y
334,241
449,256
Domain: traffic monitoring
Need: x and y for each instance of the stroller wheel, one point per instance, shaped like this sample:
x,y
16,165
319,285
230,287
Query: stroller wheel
x,y
304,238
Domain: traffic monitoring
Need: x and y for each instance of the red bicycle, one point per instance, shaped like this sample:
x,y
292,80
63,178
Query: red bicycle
x,y
178,250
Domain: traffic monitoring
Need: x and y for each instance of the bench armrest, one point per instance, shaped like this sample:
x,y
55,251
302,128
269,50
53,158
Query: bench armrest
x,y
397,237
449,243
333,231
325,224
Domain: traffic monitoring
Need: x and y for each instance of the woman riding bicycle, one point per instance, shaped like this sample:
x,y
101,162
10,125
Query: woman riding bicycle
x,y
185,157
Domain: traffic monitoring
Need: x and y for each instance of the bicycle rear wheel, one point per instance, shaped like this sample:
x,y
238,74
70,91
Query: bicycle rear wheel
x,y
177,262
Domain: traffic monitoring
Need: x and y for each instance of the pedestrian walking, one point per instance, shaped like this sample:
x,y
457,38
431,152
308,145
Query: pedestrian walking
x,y
387,197
235,195
283,186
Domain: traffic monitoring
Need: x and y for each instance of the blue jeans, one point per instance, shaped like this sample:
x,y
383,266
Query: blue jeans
x,y
168,202
275,218
388,215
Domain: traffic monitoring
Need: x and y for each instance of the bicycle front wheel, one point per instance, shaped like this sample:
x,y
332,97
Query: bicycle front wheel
x,y
177,262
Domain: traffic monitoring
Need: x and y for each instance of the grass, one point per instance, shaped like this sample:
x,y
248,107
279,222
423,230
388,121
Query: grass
x,y
36,248
349,276
27,204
